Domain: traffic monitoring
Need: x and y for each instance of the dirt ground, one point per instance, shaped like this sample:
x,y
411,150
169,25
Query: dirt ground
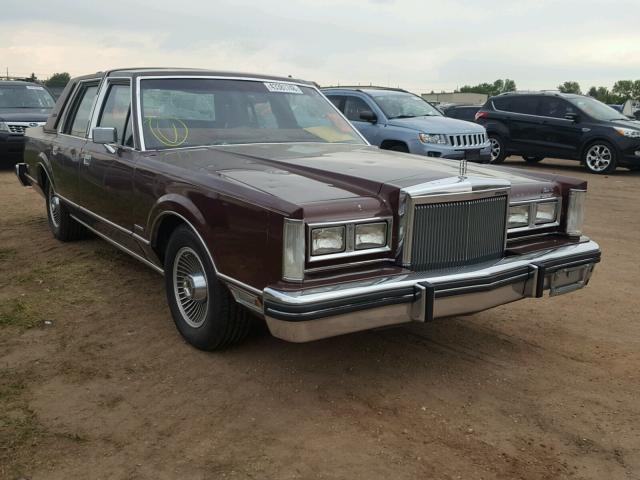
x,y
96,383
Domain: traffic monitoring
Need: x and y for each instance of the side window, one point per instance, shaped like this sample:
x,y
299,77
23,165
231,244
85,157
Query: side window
x,y
554,107
525,105
353,107
337,101
503,104
79,116
115,112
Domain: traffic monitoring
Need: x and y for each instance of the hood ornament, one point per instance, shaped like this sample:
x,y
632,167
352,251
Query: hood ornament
x,y
462,169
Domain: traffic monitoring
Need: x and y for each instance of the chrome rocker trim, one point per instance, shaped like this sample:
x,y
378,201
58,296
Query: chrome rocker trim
x,y
311,314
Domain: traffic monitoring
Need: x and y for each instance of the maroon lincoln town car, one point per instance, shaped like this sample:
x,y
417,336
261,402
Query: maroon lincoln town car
x,y
254,194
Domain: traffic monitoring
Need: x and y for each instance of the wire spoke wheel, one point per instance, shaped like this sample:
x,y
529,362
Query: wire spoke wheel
x,y
190,287
599,157
55,211
496,148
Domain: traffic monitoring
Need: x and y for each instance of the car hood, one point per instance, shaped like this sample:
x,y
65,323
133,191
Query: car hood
x,y
24,114
635,124
305,173
437,124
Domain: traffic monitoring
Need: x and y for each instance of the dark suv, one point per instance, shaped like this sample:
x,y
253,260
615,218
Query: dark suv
x,y
22,105
551,124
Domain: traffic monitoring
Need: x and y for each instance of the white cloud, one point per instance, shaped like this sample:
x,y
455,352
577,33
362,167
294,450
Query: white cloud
x,y
420,45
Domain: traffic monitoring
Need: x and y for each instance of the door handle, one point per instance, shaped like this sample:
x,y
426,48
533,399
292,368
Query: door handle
x,y
86,159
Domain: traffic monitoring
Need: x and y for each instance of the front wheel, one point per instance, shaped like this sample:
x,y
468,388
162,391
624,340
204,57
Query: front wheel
x,y
498,153
600,157
203,309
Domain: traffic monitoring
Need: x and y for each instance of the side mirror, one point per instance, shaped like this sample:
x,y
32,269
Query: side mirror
x,y
106,136
574,117
368,116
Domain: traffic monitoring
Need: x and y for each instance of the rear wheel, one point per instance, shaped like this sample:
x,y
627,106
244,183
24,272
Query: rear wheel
x,y
498,153
63,227
600,157
203,309
532,158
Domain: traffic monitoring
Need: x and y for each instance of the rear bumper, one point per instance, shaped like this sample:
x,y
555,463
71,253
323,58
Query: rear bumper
x,y
311,314
21,172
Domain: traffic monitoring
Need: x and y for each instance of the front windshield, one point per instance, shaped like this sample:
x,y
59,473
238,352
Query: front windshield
x,y
188,112
25,96
405,105
596,109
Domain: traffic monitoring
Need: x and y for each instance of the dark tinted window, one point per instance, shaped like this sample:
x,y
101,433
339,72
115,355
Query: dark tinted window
x,y
116,109
503,103
525,105
78,120
463,113
554,107
338,101
353,107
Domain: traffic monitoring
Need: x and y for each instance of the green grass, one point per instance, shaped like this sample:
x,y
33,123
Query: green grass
x,y
16,313
7,254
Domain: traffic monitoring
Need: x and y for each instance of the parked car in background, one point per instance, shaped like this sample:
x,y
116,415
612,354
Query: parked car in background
x,y
253,193
536,125
22,105
461,112
394,119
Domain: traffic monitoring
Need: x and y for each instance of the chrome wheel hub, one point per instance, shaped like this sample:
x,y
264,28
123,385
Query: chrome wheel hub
x,y
190,287
495,149
54,208
599,157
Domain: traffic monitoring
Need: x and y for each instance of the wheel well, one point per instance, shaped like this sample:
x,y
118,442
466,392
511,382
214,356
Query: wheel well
x,y
388,144
168,224
43,178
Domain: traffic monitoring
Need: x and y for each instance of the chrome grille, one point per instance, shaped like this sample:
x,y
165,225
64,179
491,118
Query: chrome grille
x,y
452,234
13,128
468,140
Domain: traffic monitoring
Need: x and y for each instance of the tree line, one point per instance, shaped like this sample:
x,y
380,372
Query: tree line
x,y
622,90
56,80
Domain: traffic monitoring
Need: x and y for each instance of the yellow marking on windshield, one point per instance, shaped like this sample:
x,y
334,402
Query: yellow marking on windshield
x,y
180,130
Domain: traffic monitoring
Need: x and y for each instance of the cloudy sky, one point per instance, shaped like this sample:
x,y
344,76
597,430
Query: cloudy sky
x,y
419,45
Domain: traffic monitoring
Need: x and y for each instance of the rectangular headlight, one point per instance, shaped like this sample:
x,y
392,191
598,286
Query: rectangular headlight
x,y
327,240
371,235
546,212
518,216
575,212
293,250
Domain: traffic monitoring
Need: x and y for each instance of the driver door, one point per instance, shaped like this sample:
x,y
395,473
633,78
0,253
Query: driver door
x,y
107,171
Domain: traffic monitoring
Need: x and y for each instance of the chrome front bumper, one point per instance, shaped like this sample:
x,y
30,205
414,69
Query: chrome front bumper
x,y
311,314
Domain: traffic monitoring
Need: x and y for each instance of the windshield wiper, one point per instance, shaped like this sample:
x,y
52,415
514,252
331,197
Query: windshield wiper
x,y
403,116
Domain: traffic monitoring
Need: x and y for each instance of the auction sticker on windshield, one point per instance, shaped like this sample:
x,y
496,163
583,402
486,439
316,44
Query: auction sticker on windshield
x,y
282,88
34,87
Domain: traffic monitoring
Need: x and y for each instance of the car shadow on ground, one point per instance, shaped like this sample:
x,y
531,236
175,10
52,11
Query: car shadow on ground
x,y
567,167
